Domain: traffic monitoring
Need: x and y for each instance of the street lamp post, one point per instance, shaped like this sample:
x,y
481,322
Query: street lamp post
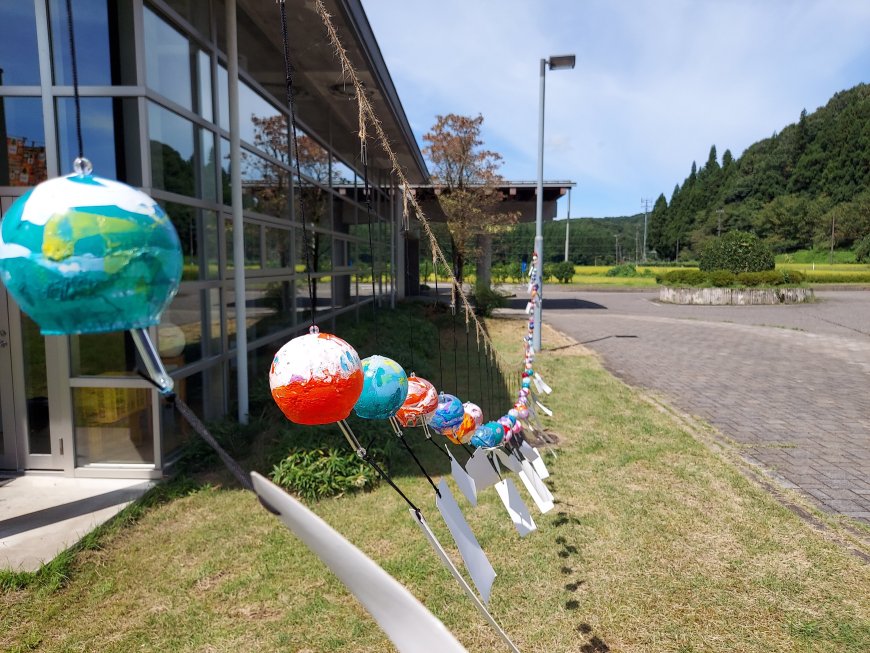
x,y
555,62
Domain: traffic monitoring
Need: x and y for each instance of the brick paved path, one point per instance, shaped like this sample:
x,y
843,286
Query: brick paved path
x,y
790,383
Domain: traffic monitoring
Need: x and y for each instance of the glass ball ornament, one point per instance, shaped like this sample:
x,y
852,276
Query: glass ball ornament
x,y
422,399
83,254
316,378
385,388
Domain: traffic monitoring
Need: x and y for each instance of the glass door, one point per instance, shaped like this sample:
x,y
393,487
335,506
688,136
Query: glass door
x,y
8,439
27,441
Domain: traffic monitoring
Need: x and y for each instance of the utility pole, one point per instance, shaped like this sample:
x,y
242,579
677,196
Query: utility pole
x,y
719,213
568,224
645,203
616,247
636,245
833,220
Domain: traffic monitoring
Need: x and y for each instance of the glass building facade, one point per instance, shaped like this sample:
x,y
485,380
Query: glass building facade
x,y
154,84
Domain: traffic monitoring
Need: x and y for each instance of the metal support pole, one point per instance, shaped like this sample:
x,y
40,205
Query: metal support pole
x,y
238,225
568,225
539,215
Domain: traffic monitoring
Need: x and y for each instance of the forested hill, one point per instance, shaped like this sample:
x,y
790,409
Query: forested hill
x,y
790,189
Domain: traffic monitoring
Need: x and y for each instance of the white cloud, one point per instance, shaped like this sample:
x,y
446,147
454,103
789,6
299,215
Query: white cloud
x,y
656,83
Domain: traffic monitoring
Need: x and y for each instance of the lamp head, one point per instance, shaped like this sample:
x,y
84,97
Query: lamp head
x,y
561,61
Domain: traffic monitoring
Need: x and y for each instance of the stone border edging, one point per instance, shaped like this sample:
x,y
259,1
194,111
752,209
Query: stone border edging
x,y
735,296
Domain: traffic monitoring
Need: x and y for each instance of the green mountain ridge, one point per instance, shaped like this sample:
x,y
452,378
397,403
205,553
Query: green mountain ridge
x,y
791,189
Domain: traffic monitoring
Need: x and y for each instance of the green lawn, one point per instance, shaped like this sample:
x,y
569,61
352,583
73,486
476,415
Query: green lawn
x,y
658,543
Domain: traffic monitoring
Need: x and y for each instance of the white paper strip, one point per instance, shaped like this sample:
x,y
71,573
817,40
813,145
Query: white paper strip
x,y
509,461
537,460
408,624
540,380
475,559
538,385
463,480
442,554
516,507
544,408
480,469
533,485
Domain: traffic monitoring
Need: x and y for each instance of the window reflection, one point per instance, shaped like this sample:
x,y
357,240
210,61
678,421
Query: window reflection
x,y
113,425
22,142
19,57
343,176
172,166
254,110
98,134
103,354
167,61
92,31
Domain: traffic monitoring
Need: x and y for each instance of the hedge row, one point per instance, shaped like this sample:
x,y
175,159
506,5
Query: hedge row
x,y
727,279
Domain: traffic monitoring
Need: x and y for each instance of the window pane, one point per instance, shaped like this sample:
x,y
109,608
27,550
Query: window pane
x,y
19,56
113,425
277,248
203,71
167,60
22,158
103,354
196,12
343,176
98,134
92,42
208,155
171,151
251,246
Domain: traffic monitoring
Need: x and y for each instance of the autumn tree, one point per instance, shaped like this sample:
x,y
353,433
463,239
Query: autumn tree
x,y
466,184
272,181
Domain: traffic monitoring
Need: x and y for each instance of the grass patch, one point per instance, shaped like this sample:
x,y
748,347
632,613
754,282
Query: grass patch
x,y
655,544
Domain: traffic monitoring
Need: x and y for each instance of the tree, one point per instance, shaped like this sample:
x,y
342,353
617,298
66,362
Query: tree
x,y
269,183
466,185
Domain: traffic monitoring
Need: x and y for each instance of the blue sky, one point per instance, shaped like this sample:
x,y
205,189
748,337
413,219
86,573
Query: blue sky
x,y
656,83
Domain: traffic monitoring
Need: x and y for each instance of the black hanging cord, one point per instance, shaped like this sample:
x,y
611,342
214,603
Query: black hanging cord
x,y
235,469
75,77
467,359
368,197
420,465
455,347
288,77
440,358
410,324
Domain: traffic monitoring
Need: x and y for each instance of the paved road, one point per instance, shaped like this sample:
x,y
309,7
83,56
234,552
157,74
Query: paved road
x,y
790,383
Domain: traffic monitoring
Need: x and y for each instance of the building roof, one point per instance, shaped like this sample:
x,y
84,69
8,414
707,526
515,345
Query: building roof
x,y
518,196
324,102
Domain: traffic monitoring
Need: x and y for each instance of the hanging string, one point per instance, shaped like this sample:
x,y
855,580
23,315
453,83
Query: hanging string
x,y
455,347
467,360
405,233
75,79
288,77
440,357
368,198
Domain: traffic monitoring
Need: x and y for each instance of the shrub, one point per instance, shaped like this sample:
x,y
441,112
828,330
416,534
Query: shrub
x,y
318,473
500,272
624,270
792,276
564,271
722,278
486,300
763,278
862,250
684,278
737,251
515,272
548,271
